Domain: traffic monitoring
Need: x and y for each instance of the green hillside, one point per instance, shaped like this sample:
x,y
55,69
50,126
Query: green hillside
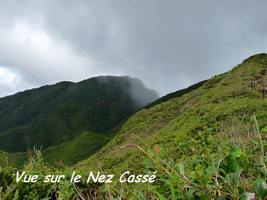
x,y
205,142
78,149
197,129
64,154
212,106
54,118
58,113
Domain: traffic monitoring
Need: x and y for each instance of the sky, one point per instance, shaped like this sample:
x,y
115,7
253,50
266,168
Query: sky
x,y
169,45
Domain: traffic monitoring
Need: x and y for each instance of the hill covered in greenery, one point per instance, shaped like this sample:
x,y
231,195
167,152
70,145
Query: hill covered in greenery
x,y
205,142
49,116
207,130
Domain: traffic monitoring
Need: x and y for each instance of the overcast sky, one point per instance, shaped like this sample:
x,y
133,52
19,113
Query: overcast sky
x,y
168,44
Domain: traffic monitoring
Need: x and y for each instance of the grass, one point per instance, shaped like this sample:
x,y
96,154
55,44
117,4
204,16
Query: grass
x,y
234,171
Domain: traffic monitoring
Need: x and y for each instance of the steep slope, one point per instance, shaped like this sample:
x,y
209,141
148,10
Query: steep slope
x,y
193,125
59,113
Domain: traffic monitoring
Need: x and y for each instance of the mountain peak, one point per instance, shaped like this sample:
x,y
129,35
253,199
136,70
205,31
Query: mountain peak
x,y
256,57
53,114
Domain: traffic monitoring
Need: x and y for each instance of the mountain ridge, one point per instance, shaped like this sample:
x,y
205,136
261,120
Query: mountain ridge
x,y
53,114
227,96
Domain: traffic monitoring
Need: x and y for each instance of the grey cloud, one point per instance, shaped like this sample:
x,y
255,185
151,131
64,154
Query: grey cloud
x,y
167,44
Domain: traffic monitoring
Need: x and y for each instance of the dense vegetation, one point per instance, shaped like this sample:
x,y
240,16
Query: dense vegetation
x,y
51,115
209,143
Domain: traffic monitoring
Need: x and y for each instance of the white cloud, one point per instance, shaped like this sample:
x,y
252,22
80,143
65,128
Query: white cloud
x,y
10,82
40,59
8,78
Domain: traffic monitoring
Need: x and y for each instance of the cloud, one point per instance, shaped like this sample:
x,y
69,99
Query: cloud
x,y
10,82
38,58
167,44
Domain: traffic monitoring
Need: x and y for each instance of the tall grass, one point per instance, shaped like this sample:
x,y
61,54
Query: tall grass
x,y
238,171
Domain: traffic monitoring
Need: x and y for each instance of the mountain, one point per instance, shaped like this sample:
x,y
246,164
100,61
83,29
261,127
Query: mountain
x,y
55,114
195,128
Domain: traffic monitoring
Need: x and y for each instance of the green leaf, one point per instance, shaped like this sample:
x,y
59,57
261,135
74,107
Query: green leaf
x,y
161,197
234,178
247,196
260,188
264,129
190,194
16,196
147,163
232,163
181,169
